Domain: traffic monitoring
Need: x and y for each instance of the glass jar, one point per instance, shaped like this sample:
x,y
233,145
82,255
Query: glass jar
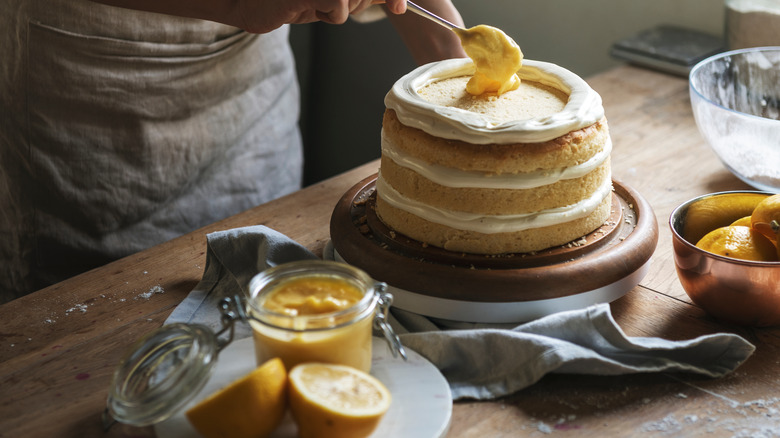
x,y
314,329
160,374
164,370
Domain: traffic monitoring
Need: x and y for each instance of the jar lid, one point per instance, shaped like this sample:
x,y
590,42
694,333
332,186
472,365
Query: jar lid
x,y
161,373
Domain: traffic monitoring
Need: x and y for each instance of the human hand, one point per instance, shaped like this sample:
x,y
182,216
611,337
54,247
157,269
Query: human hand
x,y
427,41
261,16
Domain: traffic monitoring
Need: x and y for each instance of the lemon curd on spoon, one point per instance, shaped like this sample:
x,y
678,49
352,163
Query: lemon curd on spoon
x,y
496,56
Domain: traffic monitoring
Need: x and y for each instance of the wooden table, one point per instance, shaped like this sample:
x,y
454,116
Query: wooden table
x,y
59,346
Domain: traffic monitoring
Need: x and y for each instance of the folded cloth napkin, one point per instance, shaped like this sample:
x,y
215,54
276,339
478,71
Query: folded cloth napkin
x,y
233,257
484,362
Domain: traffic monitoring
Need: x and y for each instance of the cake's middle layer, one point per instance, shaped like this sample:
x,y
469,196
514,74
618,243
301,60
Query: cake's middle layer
x,y
493,201
566,151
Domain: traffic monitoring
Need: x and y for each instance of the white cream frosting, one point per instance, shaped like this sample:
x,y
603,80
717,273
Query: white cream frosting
x,y
583,108
449,177
491,224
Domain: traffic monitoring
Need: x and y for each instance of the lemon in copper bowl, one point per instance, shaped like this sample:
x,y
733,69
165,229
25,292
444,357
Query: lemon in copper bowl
x,y
735,97
727,264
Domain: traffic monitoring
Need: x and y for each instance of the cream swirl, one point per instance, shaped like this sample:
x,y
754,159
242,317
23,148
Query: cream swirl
x,y
491,224
583,108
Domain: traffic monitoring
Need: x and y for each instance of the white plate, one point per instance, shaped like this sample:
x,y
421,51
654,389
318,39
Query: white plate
x,y
421,407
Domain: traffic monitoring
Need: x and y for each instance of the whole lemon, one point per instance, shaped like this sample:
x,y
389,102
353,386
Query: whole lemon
x,y
718,211
743,221
766,217
739,242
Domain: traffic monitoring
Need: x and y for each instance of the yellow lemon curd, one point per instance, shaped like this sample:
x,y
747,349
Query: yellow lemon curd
x,y
312,296
311,321
497,59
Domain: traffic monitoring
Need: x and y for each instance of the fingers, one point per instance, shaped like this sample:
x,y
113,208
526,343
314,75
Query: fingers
x,y
361,6
264,16
337,11
395,6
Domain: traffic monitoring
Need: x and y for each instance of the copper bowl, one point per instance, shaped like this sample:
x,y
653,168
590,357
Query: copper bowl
x,y
737,291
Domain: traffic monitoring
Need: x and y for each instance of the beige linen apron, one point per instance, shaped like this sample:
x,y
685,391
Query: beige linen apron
x,y
121,129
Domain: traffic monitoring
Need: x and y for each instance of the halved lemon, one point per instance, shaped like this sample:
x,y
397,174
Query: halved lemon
x,y
330,400
250,407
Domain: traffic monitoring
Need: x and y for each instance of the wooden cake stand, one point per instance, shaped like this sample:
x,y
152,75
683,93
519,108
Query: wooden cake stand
x,y
509,288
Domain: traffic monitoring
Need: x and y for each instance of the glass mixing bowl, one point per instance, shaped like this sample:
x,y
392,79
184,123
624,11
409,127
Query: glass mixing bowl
x,y
735,98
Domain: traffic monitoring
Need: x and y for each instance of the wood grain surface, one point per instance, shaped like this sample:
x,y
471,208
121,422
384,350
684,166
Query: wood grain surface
x,y
59,346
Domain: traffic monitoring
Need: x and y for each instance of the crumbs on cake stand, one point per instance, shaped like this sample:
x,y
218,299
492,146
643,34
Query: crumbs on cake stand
x,y
577,243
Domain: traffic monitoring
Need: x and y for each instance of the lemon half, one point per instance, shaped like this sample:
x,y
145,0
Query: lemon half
x,y
250,407
330,400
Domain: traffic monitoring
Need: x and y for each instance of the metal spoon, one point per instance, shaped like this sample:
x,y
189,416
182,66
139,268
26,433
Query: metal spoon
x,y
431,16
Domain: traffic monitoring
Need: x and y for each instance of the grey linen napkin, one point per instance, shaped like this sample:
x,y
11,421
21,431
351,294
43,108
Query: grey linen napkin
x,y
233,257
483,362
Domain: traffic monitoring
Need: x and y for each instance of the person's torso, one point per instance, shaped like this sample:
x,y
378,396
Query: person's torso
x,y
130,128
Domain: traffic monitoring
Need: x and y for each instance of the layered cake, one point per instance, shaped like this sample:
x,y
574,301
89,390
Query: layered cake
x,y
515,172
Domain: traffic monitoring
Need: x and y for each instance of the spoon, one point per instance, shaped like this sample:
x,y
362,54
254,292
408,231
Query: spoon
x,y
431,16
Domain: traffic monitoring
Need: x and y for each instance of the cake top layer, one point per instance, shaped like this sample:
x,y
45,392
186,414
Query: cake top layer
x,y
530,100
582,108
